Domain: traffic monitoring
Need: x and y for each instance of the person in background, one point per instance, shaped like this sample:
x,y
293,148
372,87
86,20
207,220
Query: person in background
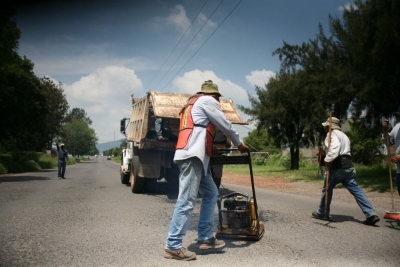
x,y
62,157
158,125
394,138
338,162
200,118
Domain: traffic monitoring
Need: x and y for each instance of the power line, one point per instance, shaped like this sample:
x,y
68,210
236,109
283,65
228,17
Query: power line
x,y
203,44
189,44
147,87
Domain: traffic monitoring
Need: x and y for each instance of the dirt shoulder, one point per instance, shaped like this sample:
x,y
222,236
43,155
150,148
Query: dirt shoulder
x,y
378,199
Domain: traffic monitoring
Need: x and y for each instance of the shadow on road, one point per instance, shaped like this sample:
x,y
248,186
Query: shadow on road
x,y
22,177
16,178
171,190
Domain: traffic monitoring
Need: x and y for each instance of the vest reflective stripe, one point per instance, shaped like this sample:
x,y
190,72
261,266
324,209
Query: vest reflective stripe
x,y
186,126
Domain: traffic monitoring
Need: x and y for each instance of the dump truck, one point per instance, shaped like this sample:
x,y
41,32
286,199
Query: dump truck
x,y
145,160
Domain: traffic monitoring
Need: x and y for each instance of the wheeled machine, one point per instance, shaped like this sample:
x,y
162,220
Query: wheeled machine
x,y
238,212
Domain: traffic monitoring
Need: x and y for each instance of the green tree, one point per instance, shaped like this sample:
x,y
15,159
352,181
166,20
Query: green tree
x,y
57,108
22,102
258,140
357,66
368,39
365,151
79,138
23,106
288,110
79,114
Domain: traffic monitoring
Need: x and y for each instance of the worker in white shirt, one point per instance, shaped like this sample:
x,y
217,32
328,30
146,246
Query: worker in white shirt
x,y
200,118
339,164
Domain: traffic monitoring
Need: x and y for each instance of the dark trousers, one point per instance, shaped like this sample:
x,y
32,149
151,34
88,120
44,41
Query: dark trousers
x,y
61,168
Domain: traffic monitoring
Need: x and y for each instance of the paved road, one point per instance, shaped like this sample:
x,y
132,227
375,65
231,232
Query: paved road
x,y
91,219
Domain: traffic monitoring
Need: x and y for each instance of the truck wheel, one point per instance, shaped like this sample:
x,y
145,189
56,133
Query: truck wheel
x,y
125,178
137,183
151,185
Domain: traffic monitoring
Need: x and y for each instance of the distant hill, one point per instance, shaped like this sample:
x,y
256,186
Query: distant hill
x,y
104,146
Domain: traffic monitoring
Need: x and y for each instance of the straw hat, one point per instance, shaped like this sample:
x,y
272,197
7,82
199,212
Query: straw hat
x,y
335,123
62,144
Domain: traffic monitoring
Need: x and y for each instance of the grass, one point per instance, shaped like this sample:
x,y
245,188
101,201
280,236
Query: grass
x,y
374,177
18,162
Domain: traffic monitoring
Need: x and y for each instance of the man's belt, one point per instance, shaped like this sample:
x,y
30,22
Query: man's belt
x,y
342,162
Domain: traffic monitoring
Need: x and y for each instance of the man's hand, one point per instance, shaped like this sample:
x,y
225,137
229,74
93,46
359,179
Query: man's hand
x,y
385,123
395,158
243,148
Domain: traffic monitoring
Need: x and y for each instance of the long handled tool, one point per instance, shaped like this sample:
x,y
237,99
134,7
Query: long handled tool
x,y
327,172
392,214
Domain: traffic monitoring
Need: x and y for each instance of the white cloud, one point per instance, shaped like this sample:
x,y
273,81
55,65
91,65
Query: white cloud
x,y
260,77
179,20
347,6
191,83
202,19
176,18
105,96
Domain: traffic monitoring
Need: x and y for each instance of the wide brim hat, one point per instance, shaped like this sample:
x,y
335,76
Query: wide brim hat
x,y
336,125
208,87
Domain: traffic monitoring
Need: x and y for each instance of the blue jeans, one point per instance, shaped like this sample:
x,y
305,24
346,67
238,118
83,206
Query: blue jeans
x,y
61,168
191,181
347,178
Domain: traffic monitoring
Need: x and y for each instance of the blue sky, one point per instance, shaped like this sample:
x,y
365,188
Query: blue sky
x,y
104,51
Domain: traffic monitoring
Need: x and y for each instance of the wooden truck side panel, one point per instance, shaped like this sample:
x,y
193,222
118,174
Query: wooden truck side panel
x,y
138,124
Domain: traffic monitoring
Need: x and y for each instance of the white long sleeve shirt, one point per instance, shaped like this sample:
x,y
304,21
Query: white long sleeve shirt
x,y
394,138
340,145
206,109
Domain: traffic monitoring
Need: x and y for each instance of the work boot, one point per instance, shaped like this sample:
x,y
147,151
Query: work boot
x,y
210,243
371,220
319,216
179,254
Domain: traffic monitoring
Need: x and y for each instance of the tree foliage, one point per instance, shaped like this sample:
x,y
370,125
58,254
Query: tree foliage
x,y
353,70
258,140
79,138
78,114
57,108
22,105
34,110
288,109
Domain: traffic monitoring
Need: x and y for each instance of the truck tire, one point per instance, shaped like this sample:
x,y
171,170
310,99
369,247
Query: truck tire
x,y
125,178
151,185
137,183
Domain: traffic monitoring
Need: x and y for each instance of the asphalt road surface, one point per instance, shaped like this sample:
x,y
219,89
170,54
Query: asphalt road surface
x,y
91,219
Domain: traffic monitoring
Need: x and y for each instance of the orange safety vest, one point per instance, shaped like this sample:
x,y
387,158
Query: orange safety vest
x,y
186,126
